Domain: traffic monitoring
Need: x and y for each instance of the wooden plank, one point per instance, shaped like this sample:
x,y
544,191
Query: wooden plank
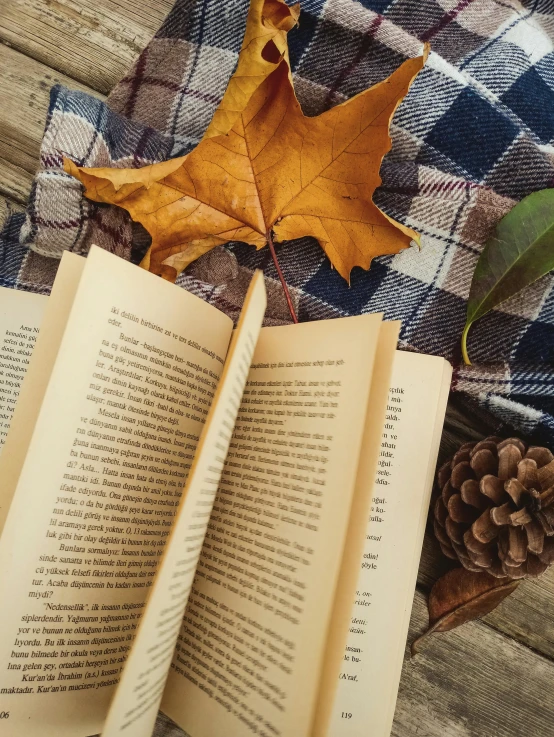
x,y
473,682
15,182
7,206
24,90
92,42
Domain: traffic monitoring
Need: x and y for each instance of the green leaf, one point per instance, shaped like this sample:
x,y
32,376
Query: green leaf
x,y
520,252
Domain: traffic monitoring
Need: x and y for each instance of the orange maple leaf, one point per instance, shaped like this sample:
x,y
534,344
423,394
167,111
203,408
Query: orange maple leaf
x,y
273,171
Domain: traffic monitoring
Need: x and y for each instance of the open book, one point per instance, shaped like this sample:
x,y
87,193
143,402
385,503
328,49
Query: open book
x,y
222,523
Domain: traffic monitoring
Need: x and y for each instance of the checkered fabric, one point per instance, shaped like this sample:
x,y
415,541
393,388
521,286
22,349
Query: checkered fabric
x,y
474,135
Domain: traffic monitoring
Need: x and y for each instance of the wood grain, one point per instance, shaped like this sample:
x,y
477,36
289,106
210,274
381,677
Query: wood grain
x,y
92,42
15,182
473,682
25,92
7,206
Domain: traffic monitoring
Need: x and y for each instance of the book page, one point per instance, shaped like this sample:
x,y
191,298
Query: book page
x,y
20,318
54,314
359,514
129,392
138,696
249,656
372,664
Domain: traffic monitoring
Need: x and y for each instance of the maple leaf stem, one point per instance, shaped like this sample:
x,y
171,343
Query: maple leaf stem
x,y
281,277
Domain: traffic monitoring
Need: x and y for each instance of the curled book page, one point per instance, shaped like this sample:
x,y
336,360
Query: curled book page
x,y
135,705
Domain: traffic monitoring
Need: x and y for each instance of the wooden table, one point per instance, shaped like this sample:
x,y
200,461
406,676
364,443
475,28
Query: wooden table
x,y
493,678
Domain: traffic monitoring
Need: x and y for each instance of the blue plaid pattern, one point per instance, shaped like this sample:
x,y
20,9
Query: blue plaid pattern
x,y
474,135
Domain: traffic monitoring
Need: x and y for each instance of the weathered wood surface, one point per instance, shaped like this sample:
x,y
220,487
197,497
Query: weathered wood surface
x,y
473,682
491,678
15,182
92,42
24,93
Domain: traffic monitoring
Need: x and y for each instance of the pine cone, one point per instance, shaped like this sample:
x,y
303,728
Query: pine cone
x,y
495,511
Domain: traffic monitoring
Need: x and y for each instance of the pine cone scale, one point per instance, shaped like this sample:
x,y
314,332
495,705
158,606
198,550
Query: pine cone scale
x,y
535,537
483,463
515,489
473,544
492,487
460,473
549,514
484,528
471,495
521,517
441,513
461,512
527,473
508,458
454,531
546,526
541,455
547,554
545,475
484,445
501,515
517,544
447,492
461,455
441,534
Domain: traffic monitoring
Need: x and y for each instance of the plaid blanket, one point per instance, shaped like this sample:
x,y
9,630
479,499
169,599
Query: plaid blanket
x,y
473,136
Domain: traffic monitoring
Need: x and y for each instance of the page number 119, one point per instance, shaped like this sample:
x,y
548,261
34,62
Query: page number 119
x,y
346,714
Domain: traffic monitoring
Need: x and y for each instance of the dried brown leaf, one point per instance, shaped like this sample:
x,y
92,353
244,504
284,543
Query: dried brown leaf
x,y
461,596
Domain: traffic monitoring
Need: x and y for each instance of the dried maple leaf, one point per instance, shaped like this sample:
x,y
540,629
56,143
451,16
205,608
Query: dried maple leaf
x,y
274,171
